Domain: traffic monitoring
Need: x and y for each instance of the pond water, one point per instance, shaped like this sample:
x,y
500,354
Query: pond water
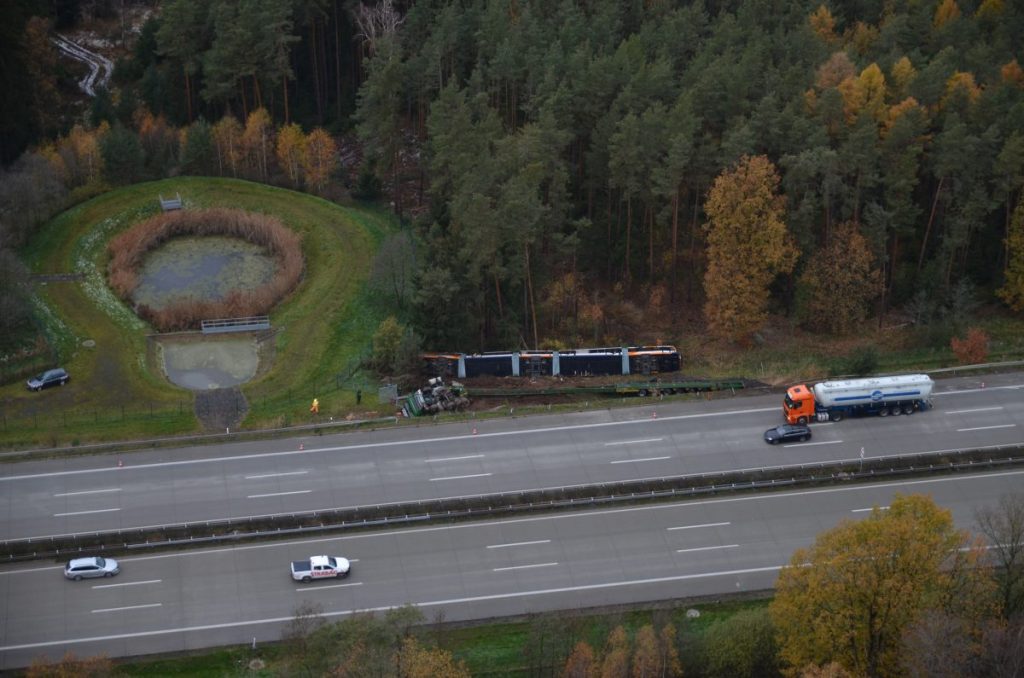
x,y
217,363
201,267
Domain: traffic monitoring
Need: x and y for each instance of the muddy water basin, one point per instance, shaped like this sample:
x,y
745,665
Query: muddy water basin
x,y
206,268
201,364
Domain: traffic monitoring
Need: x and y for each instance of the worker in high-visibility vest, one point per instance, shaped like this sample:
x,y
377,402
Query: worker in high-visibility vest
x,y
315,407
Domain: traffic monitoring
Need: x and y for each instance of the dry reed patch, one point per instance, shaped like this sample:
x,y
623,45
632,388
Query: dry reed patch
x,y
129,248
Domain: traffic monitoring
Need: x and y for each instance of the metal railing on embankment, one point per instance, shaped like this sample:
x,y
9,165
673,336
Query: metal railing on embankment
x,y
493,505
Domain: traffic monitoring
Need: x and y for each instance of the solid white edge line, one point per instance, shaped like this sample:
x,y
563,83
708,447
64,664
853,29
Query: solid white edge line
x,y
708,548
862,510
82,513
519,543
524,567
634,442
472,475
385,608
276,475
75,494
331,586
129,583
468,456
694,527
129,607
629,461
977,409
276,494
820,442
985,428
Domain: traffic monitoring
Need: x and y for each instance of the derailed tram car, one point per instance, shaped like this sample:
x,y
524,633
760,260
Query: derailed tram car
x,y
571,362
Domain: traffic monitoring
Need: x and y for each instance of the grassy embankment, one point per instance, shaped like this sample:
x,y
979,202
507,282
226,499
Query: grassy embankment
x,y
117,389
495,650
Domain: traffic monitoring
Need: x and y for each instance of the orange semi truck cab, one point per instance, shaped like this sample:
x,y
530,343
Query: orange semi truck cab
x,y
798,407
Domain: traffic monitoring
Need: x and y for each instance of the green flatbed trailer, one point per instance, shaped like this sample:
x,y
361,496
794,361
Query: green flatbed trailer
x,y
638,389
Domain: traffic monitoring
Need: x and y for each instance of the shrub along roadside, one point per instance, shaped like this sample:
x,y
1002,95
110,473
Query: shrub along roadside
x,y
535,645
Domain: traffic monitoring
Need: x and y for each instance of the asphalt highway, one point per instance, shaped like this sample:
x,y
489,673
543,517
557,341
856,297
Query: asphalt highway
x,y
244,594
656,439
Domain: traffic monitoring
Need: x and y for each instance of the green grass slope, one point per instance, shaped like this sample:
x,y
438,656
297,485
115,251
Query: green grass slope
x,y
118,390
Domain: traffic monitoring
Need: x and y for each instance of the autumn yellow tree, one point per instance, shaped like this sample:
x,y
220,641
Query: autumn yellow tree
x,y
836,288
961,86
947,11
417,661
319,160
670,664
1012,291
748,245
258,144
864,94
900,78
823,24
647,654
81,153
581,663
615,663
290,150
227,138
851,596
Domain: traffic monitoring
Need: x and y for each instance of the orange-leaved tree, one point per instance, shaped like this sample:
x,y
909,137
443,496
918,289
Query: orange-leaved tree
x,y
227,137
418,661
258,144
972,349
615,663
582,663
319,160
291,148
748,245
855,593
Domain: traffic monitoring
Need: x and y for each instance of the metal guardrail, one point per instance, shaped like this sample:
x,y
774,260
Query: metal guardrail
x,y
257,322
483,506
975,368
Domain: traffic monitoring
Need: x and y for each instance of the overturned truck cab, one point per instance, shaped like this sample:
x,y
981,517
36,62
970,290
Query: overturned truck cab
x,y
834,400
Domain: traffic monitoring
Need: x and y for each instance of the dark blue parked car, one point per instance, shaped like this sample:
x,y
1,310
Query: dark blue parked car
x,y
48,378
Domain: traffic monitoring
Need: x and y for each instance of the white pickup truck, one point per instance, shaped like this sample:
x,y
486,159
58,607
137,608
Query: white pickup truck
x,y
320,567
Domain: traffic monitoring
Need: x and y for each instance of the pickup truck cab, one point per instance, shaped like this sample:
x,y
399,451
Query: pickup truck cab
x,y
320,567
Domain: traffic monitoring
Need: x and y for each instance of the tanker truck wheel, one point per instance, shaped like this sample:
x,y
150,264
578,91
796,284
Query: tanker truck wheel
x,y
802,420
884,412
836,416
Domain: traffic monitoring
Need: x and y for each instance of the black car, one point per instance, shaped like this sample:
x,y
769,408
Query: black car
x,y
48,378
787,432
